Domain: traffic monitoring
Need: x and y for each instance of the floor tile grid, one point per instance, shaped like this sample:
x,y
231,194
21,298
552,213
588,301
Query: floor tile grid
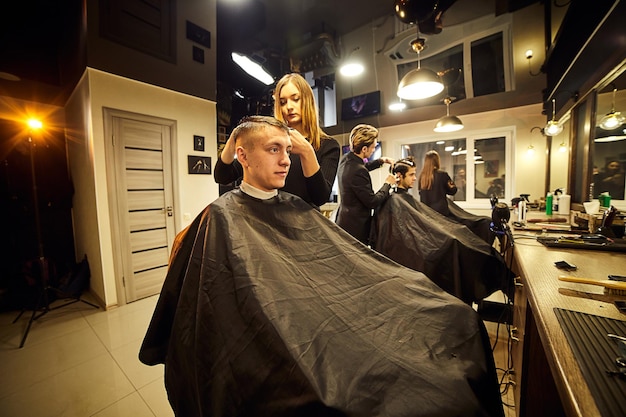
x,y
67,340
112,339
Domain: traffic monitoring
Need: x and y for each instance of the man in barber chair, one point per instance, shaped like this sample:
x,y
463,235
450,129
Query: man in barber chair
x,y
270,309
450,254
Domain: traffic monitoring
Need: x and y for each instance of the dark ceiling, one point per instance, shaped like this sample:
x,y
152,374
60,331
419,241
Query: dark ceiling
x,y
34,35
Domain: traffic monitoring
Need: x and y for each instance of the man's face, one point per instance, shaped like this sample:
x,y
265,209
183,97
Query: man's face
x,y
266,165
408,180
370,149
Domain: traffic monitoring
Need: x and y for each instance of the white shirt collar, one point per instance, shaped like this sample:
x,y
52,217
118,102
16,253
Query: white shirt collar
x,y
256,193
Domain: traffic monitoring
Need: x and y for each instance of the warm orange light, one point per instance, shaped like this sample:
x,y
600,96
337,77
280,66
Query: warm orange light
x,y
34,124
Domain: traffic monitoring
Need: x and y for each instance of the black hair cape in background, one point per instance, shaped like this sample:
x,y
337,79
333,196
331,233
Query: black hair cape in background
x,y
480,225
455,258
270,309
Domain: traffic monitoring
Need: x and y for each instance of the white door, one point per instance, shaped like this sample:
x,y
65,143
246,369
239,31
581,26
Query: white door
x,y
141,201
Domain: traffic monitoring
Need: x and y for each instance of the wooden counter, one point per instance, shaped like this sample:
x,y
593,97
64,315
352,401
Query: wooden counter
x,y
549,379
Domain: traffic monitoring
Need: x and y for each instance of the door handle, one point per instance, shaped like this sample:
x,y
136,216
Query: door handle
x,y
170,211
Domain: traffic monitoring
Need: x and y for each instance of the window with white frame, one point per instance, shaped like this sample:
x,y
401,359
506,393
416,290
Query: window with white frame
x,y
480,164
479,65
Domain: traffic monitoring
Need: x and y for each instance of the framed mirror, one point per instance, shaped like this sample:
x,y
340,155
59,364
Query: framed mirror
x,y
608,146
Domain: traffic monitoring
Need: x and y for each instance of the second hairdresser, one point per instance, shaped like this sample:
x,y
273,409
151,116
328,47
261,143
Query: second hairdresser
x,y
314,155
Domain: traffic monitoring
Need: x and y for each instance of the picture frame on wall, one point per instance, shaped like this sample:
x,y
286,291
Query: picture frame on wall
x,y
199,164
198,143
491,168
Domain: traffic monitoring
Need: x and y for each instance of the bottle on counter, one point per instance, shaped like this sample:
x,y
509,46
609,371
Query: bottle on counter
x,y
549,198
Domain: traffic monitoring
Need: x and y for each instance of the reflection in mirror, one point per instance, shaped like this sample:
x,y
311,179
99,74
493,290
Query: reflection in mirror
x,y
559,153
609,145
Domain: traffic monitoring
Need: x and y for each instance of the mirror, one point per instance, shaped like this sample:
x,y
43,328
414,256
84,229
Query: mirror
x,y
559,158
608,148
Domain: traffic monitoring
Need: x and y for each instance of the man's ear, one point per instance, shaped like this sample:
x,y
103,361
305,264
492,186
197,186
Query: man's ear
x,y
242,156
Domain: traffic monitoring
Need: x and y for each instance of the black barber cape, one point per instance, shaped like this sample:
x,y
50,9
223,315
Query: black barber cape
x,y
455,258
270,309
480,225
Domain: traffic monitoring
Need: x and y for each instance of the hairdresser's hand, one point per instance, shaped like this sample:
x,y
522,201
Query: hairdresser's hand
x,y
301,146
228,153
387,160
391,180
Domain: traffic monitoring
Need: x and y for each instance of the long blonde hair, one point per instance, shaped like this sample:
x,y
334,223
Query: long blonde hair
x,y
310,122
432,162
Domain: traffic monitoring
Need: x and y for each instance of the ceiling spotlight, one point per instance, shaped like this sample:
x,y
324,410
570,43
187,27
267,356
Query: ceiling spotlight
x,y
553,127
398,106
614,118
253,68
421,82
448,123
351,69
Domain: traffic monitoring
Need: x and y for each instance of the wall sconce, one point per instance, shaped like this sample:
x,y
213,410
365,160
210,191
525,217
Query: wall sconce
x,y
421,82
351,67
529,55
448,123
553,127
531,149
253,69
613,119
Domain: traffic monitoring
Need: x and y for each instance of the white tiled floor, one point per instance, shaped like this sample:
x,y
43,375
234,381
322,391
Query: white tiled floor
x,y
80,361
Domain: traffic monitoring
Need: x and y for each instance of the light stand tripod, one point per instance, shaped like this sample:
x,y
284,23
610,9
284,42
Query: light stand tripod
x,y
43,283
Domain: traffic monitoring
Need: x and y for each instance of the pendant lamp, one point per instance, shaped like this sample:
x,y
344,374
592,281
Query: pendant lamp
x,y
613,119
553,127
448,123
421,82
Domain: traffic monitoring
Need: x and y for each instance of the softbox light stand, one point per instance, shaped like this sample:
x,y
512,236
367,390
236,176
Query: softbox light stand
x,y
42,304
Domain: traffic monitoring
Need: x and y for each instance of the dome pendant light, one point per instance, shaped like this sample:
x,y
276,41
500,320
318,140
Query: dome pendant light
x,y
613,119
448,123
421,82
553,128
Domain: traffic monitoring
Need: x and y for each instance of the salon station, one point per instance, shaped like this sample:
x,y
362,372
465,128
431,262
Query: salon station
x,y
523,101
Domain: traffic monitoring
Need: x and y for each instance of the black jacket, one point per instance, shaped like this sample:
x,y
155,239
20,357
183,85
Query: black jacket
x,y
357,198
314,190
435,198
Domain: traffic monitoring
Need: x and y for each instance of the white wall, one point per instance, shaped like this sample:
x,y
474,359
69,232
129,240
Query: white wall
x,y
193,116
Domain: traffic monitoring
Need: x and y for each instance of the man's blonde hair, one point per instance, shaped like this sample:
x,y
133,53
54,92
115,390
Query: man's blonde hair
x,y
362,135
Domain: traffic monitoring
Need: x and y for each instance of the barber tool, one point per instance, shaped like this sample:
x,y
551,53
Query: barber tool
x,y
551,220
605,298
610,287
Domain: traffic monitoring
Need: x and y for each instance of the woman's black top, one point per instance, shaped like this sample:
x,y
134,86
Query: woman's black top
x,y
357,198
435,198
314,190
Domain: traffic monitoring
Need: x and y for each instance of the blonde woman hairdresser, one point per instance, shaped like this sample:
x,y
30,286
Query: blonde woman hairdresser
x,y
314,155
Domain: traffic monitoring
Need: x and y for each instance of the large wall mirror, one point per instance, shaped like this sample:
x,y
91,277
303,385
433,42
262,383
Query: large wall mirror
x,y
608,147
